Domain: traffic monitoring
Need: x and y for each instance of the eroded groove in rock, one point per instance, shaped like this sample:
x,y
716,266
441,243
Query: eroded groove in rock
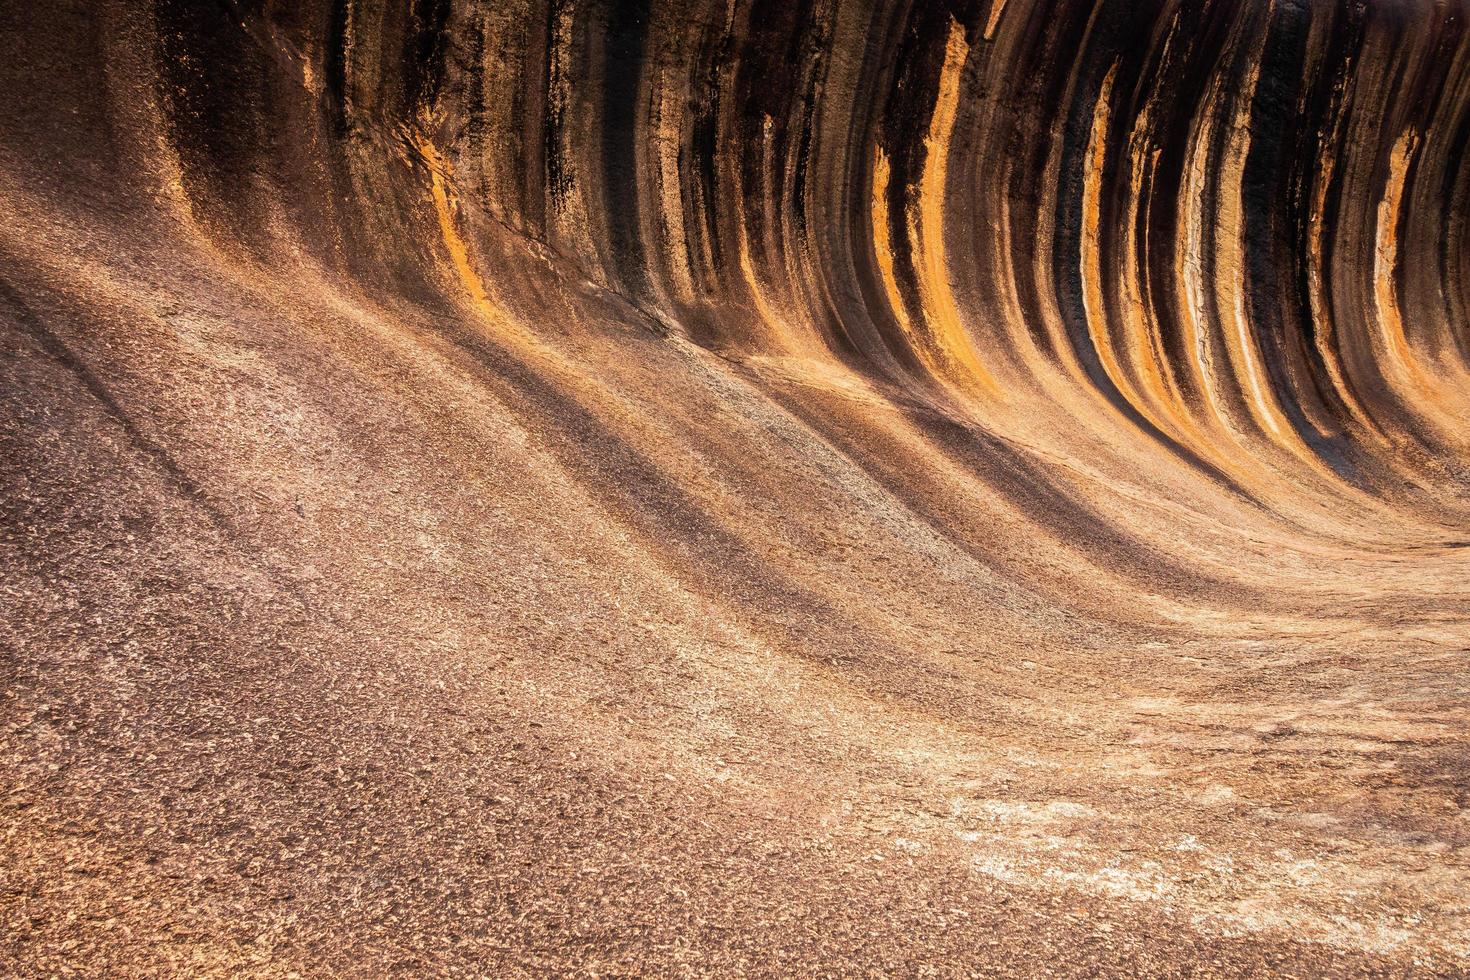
x,y
640,485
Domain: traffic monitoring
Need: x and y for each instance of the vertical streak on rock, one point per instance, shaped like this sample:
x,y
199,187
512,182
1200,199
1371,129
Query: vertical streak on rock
x,y
777,322
993,21
668,144
627,32
1189,263
1140,333
338,42
883,247
926,227
1229,265
454,244
1395,345
562,213
1322,317
1093,301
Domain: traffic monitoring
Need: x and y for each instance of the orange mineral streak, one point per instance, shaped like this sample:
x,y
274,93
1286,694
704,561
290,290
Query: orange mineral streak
x,y
1231,288
1189,251
1439,407
1325,334
883,249
954,349
1227,354
1150,398
780,324
670,197
1092,266
1141,339
993,21
454,243
1394,342
1230,284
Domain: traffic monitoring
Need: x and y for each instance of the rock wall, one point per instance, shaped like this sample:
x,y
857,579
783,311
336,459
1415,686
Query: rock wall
x,y
712,485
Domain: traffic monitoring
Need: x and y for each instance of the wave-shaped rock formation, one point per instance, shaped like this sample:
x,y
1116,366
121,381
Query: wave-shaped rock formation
x,y
728,486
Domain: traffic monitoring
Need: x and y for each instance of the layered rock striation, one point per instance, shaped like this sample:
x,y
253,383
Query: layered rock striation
x,y
688,484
